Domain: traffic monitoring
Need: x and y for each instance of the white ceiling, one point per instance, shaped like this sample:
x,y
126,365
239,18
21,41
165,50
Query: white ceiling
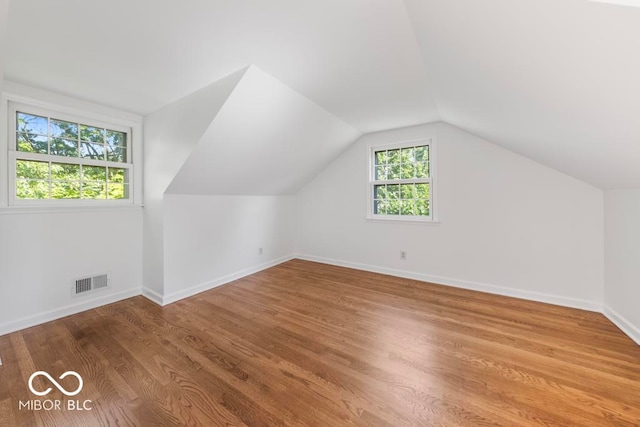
x,y
634,3
554,80
266,139
358,59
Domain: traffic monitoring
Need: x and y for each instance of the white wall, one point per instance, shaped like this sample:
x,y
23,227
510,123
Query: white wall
x,y
508,225
242,145
4,11
171,134
43,251
210,240
41,254
622,260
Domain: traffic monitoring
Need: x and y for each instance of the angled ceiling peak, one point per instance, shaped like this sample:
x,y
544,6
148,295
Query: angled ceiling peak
x,y
172,132
267,139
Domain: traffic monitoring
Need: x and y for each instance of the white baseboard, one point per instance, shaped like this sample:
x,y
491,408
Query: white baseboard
x,y
176,296
464,284
29,321
623,324
152,295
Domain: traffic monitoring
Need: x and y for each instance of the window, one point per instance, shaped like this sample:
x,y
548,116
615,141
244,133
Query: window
x,y
401,181
59,158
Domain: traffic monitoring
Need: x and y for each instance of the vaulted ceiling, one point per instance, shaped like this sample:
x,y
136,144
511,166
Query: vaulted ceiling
x,y
554,80
266,139
358,59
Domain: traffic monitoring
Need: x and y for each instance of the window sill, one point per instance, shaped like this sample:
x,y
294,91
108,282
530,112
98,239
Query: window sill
x,y
31,210
403,220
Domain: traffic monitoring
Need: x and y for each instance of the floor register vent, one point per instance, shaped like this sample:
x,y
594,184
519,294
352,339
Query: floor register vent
x,y
88,284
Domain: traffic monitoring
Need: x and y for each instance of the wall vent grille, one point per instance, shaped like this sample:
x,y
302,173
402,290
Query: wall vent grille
x,y
83,285
91,283
100,281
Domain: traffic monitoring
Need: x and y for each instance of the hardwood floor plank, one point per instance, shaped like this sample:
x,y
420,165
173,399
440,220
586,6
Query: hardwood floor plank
x,y
384,380
311,344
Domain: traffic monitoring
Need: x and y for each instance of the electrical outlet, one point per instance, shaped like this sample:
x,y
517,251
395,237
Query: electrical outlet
x,y
259,251
403,255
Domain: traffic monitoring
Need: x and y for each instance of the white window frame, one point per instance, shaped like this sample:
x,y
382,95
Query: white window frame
x,y
432,180
11,104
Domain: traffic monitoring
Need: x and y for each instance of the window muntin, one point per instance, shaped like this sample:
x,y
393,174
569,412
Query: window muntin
x,y
401,183
38,180
46,135
62,159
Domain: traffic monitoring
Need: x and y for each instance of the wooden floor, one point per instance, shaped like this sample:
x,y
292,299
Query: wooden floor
x,y
310,344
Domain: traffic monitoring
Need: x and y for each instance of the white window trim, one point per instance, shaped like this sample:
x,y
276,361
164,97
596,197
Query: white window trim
x,y
432,180
9,103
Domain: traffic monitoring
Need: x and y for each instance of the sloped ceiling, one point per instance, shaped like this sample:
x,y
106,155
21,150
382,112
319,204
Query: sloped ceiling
x,y
266,139
631,3
555,80
358,59
172,132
